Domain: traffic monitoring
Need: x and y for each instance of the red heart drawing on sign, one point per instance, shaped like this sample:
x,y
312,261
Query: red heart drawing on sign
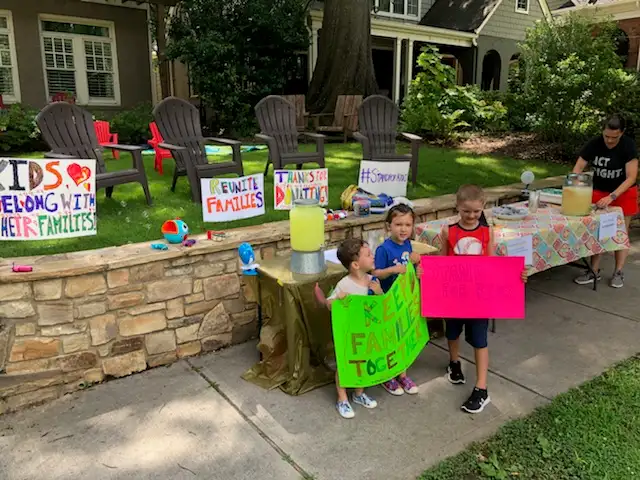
x,y
79,174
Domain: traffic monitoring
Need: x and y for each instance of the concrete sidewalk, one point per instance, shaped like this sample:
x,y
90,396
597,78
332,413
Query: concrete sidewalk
x,y
198,419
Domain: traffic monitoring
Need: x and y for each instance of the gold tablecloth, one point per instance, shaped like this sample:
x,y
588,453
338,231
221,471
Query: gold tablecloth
x,y
295,337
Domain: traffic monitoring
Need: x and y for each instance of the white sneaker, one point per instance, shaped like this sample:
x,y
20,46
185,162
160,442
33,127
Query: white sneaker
x,y
345,410
365,400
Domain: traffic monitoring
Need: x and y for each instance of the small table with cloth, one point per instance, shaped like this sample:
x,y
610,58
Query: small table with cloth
x,y
557,239
296,340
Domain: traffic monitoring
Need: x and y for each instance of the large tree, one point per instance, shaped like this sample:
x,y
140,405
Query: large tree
x,y
345,64
237,52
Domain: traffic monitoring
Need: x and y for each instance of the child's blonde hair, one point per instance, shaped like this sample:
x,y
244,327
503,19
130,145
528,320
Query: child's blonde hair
x,y
470,193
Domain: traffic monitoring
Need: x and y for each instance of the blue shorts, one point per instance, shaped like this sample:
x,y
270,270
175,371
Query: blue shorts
x,y
475,331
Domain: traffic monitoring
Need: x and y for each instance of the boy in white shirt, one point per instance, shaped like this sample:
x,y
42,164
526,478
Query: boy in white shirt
x,y
357,258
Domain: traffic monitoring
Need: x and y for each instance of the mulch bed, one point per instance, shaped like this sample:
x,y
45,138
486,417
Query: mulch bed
x,y
522,146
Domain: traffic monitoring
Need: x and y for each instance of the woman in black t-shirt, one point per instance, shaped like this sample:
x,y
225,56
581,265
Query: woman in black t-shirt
x,y
614,158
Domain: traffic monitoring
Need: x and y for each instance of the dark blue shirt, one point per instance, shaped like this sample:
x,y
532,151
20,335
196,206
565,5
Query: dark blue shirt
x,y
389,254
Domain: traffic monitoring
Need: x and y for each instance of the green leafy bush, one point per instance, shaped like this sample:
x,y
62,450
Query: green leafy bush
x,y
569,79
436,106
18,129
132,126
237,53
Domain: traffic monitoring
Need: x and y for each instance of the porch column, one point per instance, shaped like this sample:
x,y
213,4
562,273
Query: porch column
x,y
314,46
310,62
409,65
396,70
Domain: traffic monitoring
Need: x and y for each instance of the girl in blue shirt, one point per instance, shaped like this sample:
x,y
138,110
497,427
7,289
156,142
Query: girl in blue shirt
x,y
391,260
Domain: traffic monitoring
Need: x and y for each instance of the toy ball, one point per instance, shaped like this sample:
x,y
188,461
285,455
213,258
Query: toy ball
x,y
527,177
175,231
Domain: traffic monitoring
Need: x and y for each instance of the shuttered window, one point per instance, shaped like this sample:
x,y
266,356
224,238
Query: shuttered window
x,y
398,8
80,61
9,84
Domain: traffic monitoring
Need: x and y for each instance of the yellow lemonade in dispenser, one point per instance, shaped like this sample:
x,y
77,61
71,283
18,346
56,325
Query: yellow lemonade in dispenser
x,y
577,193
306,226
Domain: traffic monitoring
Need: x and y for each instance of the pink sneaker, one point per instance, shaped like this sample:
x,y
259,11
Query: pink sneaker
x,y
393,387
408,385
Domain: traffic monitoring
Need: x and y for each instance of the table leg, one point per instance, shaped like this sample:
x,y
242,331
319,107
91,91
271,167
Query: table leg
x,y
260,320
592,272
493,325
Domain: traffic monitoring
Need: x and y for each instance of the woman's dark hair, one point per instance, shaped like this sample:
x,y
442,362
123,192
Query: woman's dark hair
x,y
398,210
615,122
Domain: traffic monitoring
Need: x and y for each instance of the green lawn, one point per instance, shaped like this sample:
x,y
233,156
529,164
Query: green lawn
x,y
127,219
589,433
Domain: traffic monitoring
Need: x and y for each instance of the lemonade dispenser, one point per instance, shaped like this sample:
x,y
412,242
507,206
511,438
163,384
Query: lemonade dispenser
x,y
306,224
576,194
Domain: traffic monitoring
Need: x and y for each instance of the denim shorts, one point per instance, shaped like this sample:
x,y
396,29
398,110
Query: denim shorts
x,y
475,331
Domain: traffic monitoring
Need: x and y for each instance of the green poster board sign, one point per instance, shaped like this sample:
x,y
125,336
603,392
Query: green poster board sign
x,y
378,337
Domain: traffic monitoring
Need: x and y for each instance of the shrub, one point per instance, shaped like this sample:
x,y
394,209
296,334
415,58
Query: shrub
x,y
436,106
132,126
18,129
569,78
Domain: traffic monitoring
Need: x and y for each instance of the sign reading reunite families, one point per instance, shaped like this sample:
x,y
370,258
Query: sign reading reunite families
x,y
472,287
292,185
45,199
384,177
377,337
225,199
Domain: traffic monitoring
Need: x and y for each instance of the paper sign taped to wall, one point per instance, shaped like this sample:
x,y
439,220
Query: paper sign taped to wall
x,y
227,199
292,185
42,199
384,177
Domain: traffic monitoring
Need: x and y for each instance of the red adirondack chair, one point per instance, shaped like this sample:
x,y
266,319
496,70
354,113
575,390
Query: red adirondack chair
x,y
161,153
2,105
105,137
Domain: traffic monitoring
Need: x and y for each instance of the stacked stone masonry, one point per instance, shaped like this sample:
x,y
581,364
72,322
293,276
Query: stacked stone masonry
x,y
80,318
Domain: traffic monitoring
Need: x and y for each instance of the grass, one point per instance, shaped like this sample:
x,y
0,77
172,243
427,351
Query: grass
x,y
126,218
589,433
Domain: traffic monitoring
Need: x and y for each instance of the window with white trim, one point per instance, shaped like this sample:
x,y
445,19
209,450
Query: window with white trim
x,y
9,83
80,61
522,6
398,8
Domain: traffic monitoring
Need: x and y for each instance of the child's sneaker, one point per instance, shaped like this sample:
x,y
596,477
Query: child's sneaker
x,y
393,387
587,278
345,410
365,400
454,373
408,385
618,280
477,401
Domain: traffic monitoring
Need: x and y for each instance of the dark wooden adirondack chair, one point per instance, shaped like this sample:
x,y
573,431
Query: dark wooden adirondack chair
x,y
302,116
378,131
345,117
277,120
179,124
70,134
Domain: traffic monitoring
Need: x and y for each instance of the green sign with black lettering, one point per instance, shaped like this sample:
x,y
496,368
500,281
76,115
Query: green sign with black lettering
x,y
378,337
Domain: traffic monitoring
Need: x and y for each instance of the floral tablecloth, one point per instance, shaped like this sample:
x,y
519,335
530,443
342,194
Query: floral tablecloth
x,y
557,239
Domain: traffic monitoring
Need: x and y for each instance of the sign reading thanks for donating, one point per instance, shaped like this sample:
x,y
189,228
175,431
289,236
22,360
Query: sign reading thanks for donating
x,y
227,199
43,199
378,337
384,177
292,185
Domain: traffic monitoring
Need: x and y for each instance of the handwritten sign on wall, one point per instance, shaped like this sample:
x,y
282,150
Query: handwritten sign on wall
x,y
226,199
378,337
384,177
292,185
45,199
472,287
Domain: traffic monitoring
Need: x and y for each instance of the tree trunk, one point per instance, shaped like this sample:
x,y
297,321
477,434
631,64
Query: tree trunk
x,y
345,64
161,41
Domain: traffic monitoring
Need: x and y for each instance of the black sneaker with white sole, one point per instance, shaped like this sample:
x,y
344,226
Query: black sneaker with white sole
x,y
587,278
454,373
477,401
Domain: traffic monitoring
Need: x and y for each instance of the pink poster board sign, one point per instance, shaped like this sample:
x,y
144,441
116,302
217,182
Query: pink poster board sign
x,y
472,287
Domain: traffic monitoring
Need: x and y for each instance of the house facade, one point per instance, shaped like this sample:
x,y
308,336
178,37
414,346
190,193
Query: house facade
x,y
626,13
479,38
94,51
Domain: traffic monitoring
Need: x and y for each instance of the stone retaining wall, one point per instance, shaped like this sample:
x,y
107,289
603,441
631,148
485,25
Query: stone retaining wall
x,y
79,318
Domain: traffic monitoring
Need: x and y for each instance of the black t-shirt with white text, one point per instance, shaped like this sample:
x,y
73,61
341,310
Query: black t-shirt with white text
x,y
609,164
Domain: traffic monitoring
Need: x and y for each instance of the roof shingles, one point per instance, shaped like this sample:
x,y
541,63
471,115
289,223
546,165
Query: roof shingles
x,y
461,15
